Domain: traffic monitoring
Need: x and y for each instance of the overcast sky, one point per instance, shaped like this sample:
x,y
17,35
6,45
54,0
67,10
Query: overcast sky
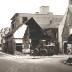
x,y
9,7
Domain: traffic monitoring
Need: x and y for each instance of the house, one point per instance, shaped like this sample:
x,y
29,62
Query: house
x,y
41,25
65,28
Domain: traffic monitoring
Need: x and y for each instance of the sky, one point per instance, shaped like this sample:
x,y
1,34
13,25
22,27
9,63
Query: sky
x,y
9,7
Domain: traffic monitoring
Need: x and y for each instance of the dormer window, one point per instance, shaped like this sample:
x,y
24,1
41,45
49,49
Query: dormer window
x,y
24,19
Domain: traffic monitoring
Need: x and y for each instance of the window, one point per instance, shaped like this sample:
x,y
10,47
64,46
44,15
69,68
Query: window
x,y
12,26
13,23
50,21
24,19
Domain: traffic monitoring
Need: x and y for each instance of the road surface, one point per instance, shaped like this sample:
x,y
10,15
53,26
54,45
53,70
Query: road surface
x,y
9,63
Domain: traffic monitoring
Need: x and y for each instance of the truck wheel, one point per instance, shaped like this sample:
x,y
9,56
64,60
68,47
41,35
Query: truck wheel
x,y
36,52
43,52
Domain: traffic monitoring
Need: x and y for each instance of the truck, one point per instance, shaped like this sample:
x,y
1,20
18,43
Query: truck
x,y
45,48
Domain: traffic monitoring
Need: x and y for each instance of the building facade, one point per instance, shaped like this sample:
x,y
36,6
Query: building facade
x,y
44,21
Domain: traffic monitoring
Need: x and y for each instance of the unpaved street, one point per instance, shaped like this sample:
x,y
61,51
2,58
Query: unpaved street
x,y
9,63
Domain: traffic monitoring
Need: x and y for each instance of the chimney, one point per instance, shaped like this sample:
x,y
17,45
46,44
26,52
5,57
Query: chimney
x,y
44,9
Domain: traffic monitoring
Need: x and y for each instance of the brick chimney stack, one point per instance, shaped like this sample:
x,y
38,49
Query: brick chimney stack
x,y
44,9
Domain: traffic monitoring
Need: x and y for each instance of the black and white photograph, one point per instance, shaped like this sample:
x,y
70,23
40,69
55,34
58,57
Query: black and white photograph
x,y
36,36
